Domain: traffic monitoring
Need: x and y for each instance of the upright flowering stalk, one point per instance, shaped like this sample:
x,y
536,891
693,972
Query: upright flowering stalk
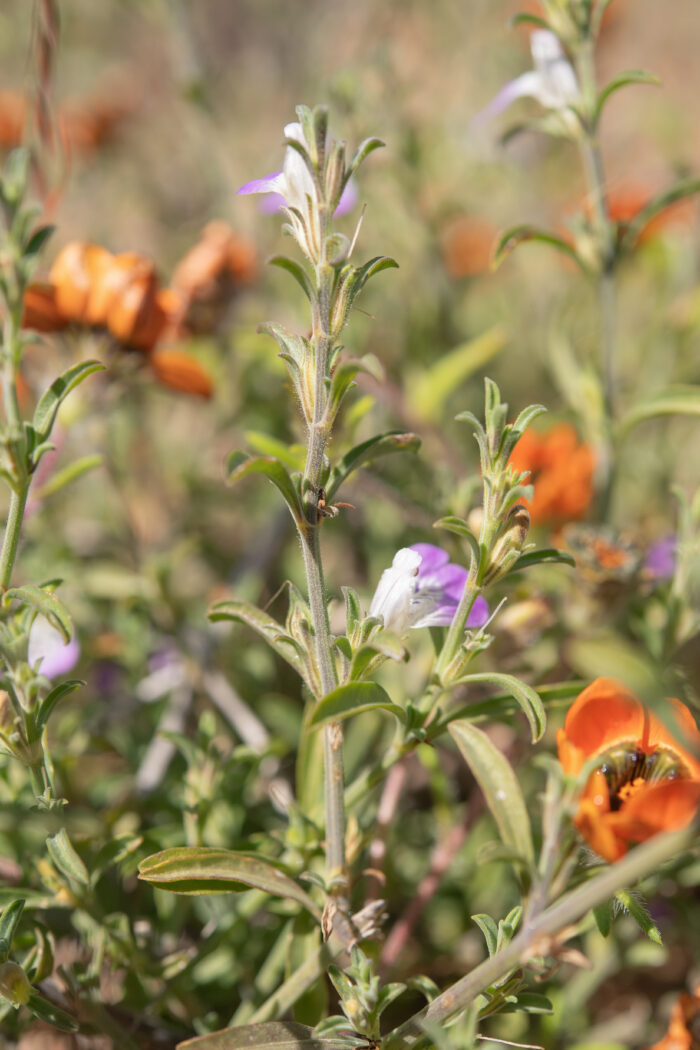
x,y
315,175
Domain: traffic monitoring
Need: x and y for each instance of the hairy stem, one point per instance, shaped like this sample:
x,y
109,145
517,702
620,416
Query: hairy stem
x,y
641,862
13,529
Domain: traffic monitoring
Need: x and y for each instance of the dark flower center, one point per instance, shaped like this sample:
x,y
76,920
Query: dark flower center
x,y
627,767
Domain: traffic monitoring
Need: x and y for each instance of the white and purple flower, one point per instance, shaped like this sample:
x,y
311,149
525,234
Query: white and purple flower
x,y
48,653
423,589
552,82
292,186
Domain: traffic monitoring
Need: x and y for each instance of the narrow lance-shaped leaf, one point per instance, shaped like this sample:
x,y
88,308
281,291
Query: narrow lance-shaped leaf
x,y
264,624
516,235
297,271
52,1014
277,1035
460,527
46,603
352,699
525,19
360,455
497,780
239,465
68,474
683,189
63,854
674,401
49,403
548,554
523,694
11,915
629,76
636,908
362,152
199,869
49,702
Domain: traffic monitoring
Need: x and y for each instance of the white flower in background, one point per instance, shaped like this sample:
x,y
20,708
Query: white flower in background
x,y
423,589
48,653
552,82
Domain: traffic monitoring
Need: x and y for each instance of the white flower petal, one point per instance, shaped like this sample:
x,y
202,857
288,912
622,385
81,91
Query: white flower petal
x,y
396,588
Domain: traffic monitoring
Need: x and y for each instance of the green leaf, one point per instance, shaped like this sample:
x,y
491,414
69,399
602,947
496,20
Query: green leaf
x,y
516,235
489,929
352,699
674,401
49,403
239,465
685,188
460,527
603,915
49,702
629,76
362,152
635,907
11,915
499,784
530,1003
46,603
62,853
297,271
524,19
277,1035
548,554
63,477
523,694
366,452
38,239
428,391
264,624
290,456
54,1016
200,869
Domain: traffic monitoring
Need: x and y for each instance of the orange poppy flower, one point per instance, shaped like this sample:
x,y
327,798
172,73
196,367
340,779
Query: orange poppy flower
x,y
40,311
182,372
648,779
561,470
684,1025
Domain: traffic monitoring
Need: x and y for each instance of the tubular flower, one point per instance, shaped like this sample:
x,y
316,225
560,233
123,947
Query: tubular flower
x,y
552,82
423,589
561,469
647,780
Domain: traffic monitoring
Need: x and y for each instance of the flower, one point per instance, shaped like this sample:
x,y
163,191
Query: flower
x,y
294,185
40,310
561,469
48,653
648,777
552,82
423,589
180,371
466,244
682,1026
207,276
660,561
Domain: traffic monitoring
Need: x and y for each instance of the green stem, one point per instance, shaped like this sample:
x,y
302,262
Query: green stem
x,y
13,528
641,862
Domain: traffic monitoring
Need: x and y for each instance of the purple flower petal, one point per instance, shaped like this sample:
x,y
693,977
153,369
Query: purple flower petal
x,y
267,184
479,614
48,653
432,557
660,561
348,199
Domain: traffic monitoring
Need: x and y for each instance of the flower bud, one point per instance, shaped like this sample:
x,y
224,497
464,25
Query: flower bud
x,y
509,544
14,984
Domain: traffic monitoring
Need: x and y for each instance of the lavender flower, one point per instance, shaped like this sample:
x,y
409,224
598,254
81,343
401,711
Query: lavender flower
x,y
660,562
552,82
47,651
423,589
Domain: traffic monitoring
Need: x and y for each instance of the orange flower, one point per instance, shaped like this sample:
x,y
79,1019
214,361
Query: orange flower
x,y
132,308
682,1031
561,470
182,372
206,277
40,310
647,780
76,273
466,246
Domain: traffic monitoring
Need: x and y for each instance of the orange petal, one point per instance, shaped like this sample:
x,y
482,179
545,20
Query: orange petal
x,y
181,372
604,714
74,273
685,742
666,805
40,311
594,825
